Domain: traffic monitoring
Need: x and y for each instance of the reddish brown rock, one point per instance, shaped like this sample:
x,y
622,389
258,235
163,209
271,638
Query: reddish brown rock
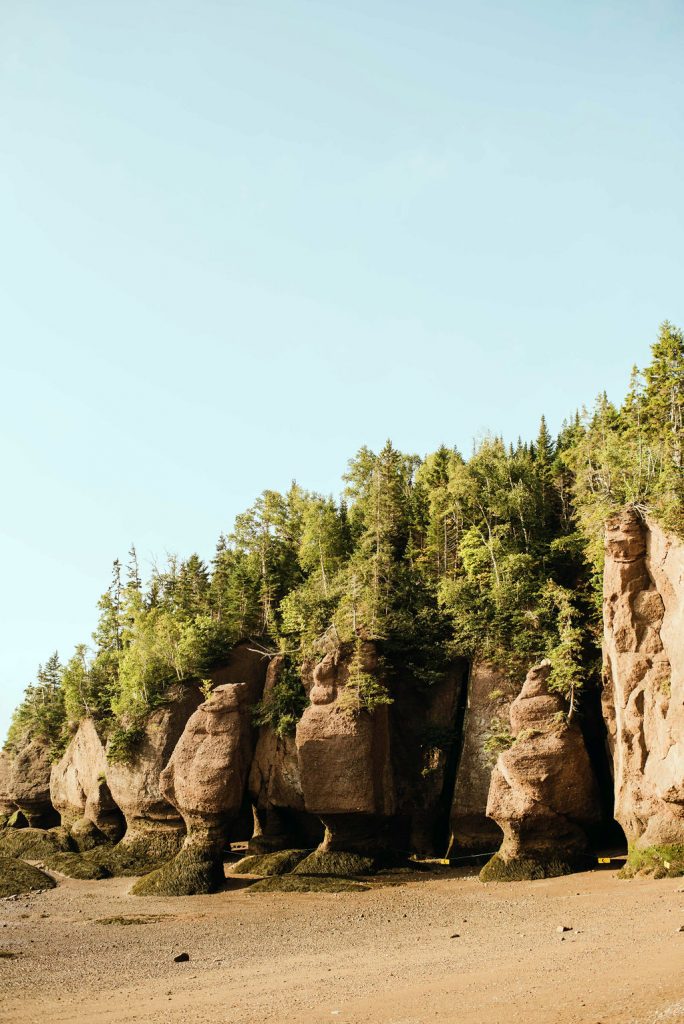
x,y
280,818
206,778
78,784
7,805
490,693
151,821
344,761
643,612
207,774
543,793
29,783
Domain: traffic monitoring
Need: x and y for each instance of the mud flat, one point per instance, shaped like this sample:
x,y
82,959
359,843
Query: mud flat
x,y
409,950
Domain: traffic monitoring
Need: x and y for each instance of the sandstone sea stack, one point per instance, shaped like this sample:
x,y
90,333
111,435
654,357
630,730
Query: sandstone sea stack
x,y
543,793
154,828
29,783
206,779
79,790
344,764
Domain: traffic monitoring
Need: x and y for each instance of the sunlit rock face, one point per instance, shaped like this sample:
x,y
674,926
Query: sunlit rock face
x,y
134,784
29,783
543,793
643,697
344,760
78,784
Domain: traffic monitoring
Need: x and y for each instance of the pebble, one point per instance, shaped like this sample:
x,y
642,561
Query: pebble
x,y
182,958
563,928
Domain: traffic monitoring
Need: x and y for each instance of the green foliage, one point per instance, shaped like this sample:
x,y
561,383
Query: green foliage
x,y
632,456
495,557
515,537
362,691
123,743
41,714
497,738
282,708
568,664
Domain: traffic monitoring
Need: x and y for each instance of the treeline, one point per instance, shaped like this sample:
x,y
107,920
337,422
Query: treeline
x,y
497,557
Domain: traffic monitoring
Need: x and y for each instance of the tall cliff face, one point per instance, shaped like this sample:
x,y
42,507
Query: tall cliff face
x,y
643,699
7,805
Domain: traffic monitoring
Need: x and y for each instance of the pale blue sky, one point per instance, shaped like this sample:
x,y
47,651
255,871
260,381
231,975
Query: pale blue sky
x,y
239,240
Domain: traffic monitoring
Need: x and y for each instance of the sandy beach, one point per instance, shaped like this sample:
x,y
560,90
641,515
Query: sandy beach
x,y
420,949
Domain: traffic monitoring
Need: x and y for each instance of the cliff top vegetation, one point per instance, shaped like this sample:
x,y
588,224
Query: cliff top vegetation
x,y
494,556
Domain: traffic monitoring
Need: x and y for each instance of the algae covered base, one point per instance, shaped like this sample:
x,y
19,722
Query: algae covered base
x,y
525,869
307,883
192,872
336,864
666,861
17,878
268,864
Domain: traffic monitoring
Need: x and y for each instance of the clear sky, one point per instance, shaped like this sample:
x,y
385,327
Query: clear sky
x,y
238,240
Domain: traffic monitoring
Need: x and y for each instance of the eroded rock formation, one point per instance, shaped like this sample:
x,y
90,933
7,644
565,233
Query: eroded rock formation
x,y
643,694
543,793
29,783
344,761
78,785
206,778
152,823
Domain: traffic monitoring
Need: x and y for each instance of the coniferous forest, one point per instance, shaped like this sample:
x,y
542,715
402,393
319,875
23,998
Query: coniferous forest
x,y
494,555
